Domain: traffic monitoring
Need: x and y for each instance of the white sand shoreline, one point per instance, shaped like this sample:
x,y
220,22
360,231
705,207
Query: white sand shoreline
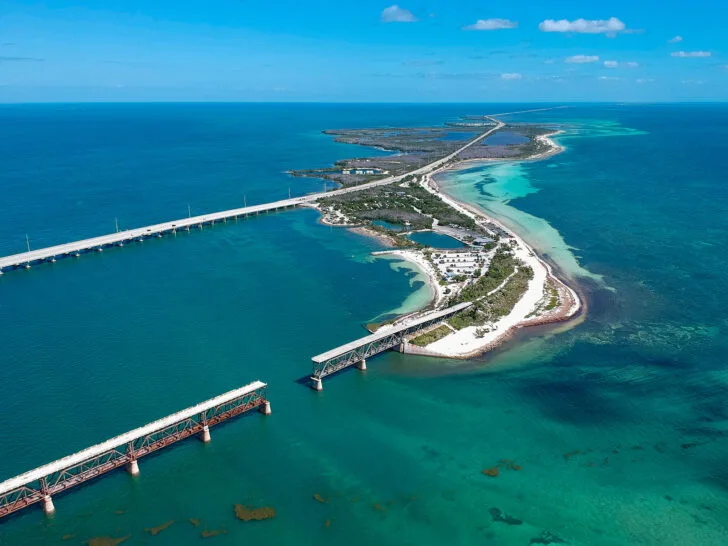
x,y
433,279
465,343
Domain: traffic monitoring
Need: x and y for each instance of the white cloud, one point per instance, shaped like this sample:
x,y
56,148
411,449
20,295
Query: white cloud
x,y
644,80
551,78
685,54
511,76
395,14
609,78
615,64
675,40
692,82
492,24
549,61
610,26
579,59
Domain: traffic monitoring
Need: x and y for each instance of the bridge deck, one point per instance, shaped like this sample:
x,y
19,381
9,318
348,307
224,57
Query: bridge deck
x,y
17,260
24,259
356,352
30,487
347,347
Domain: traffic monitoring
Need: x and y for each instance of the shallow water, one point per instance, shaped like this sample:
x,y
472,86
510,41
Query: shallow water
x,y
614,431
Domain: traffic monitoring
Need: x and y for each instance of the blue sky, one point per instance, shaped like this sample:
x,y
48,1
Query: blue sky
x,y
363,51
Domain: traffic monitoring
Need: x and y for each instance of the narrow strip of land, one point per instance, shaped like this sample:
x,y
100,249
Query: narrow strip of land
x,y
50,254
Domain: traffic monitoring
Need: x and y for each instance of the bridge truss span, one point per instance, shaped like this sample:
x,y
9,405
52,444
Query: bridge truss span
x,y
41,484
356,352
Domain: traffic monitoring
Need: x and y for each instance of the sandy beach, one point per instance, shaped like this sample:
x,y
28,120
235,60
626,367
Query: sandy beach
x,y
465,343
528,311
433,278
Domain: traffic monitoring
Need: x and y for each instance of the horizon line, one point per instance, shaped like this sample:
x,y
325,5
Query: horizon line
x,y
413,103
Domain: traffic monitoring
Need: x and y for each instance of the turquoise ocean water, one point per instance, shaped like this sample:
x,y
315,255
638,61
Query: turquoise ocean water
x,y
613,430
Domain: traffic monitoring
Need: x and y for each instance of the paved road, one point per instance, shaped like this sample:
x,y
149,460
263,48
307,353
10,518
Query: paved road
x,y
120,238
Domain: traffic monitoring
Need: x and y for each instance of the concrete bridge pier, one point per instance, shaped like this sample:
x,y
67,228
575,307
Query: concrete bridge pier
x,y
132,467
48,508
362,365
316,384
265,408
205,434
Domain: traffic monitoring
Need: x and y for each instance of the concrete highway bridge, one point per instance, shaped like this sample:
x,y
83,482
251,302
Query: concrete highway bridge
x,y
25,260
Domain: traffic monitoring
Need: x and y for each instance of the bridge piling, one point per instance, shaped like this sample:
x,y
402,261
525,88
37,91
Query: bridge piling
x,y
48,508
16,261
356,352
205,435
132,467
38,485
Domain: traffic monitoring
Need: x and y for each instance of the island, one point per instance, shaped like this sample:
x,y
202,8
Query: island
x,y
466,255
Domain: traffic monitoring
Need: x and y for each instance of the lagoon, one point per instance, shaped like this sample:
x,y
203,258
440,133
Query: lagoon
x,y
435,240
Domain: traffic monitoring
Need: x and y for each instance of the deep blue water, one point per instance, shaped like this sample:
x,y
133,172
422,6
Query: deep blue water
x,y
618,424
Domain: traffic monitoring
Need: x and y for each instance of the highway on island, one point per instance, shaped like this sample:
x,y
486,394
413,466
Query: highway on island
x,y
120,238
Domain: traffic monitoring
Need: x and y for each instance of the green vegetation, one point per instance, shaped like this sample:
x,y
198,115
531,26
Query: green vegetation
x,y
501,303
430,140
501,266
466,318
374,326
400,241
533,146
549,302
497,305
397,205
553,299
431,336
